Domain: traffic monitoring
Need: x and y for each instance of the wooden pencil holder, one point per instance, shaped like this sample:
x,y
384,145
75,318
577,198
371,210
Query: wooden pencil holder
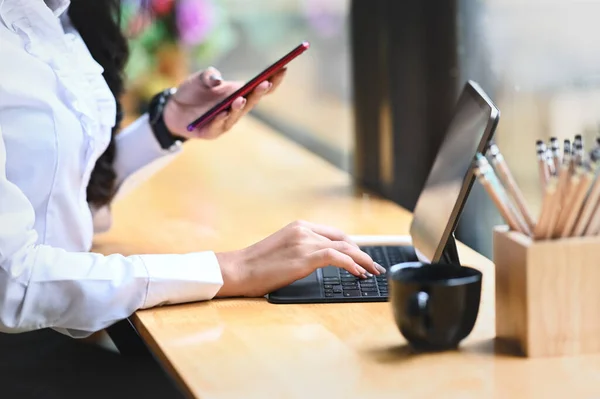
x,y
547,294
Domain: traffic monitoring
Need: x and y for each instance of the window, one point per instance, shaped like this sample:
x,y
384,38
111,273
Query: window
x,y
241,38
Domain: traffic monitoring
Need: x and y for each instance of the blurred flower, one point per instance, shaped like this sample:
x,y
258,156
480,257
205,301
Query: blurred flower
x,y
162,7
195,20
199,29
138,23
326,17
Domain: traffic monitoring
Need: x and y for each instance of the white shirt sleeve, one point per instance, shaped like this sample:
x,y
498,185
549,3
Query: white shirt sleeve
x,y
80,293
137,148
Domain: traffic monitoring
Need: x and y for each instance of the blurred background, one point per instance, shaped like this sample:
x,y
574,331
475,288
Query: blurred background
x,y
377,88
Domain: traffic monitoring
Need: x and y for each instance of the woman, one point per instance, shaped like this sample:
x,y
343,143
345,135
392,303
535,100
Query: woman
x,y
62,161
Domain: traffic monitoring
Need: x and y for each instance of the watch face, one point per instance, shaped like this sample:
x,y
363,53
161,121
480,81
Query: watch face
x,y
157,105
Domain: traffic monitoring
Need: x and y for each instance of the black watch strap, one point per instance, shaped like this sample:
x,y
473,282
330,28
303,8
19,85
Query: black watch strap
x,y
165,138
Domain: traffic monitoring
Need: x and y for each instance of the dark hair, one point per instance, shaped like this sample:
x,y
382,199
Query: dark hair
x,y
98,23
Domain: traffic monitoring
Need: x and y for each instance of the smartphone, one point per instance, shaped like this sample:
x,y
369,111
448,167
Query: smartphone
x,y
225,105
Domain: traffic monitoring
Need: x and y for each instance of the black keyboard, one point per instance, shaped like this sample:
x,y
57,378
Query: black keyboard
x,y
338,283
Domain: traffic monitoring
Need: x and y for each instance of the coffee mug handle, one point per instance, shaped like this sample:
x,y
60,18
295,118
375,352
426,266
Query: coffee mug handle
x,y
419,304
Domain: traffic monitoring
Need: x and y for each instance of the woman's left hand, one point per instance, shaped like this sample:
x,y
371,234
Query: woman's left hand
x,y
200,92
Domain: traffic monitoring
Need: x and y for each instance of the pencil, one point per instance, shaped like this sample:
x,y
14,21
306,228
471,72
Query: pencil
x,y
511,185
593,228
590,205
592,200
577,141
542,164
543,227
574,209
550,163
485,175
562,187
566,148
555,150
567,203
576,150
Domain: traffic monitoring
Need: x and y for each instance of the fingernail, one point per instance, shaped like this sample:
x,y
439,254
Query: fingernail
x,y
270,86
364,276
380,268
360,270
216,79
244,101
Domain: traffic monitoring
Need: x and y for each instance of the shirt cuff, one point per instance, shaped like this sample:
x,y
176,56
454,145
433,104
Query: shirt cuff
x,y
174,279
137,147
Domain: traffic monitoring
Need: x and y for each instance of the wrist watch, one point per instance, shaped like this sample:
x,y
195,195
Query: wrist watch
x,y
166,139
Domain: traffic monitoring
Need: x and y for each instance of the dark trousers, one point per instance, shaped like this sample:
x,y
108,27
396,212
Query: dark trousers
x,y
48,365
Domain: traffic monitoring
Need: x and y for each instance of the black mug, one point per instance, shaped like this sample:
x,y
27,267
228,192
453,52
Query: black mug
x,y
435,305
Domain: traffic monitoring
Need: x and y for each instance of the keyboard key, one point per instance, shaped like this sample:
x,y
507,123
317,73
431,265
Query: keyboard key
x,y
337,290
330,271
329,295
378,255
370,293
395,255
327,286
351,293
368,289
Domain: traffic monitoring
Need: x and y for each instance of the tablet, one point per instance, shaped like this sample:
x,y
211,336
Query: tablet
x,y
449,183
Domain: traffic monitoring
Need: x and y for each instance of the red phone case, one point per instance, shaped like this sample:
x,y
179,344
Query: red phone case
x,y
248,87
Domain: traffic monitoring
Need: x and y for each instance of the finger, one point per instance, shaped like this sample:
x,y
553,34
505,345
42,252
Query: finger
x,y
254,98
334,234
360,257
211,77
257,94
237,110
215,128
330,232
329,256
276,80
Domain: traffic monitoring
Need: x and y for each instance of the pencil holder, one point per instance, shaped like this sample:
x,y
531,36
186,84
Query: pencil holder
x,y
547,294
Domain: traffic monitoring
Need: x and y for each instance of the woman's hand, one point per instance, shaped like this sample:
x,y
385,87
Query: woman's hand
x,y
288,255
203,90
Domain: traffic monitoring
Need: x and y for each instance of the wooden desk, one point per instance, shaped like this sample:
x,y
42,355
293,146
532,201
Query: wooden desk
x,y
231,192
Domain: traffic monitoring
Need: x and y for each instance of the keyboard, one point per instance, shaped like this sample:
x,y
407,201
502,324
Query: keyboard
x,y
339,283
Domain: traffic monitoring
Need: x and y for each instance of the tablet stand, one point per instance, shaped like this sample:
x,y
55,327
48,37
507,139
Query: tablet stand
x,y
450,254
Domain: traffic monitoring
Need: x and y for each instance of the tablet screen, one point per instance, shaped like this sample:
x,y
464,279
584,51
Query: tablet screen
x,y
451,177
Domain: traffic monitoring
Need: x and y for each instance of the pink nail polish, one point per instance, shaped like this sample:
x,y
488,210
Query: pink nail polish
x,y
215,80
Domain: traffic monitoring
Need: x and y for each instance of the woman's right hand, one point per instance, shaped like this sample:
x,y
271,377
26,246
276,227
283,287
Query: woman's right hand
x,y
290,254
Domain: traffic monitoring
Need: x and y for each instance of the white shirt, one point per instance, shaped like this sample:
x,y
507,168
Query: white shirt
x,y
56,116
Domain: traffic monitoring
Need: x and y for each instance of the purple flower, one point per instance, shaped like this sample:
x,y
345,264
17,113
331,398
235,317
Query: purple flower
x,y
326,17
195,20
